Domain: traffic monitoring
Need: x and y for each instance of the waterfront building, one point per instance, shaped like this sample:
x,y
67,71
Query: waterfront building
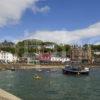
x,y
7,57
97,57
50,58
97,53
44,57
81,54
30,58
60,59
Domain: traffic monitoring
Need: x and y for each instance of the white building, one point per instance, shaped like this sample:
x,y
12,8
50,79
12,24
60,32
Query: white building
x,y
60,59
7,57
51,46
97,53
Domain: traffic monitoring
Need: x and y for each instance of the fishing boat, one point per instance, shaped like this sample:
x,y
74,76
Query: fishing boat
x,y
76,70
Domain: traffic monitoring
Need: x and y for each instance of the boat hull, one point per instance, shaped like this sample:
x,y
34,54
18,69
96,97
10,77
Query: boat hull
x,y
75,72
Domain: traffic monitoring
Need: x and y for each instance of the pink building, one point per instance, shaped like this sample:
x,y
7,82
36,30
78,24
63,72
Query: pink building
x,y
44,57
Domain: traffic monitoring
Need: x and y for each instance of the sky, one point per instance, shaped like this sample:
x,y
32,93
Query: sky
x,y
60,21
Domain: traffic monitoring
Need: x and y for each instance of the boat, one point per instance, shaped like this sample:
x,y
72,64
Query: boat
x,y
39,70
76,70
12,69
37,77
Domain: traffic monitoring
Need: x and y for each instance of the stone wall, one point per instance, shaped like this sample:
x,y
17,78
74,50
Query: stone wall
x,y
7,96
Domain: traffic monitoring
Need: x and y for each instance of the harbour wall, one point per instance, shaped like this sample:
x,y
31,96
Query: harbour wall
x,y
7,96
30,66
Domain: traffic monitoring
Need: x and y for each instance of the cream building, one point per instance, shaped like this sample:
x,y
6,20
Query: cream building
x,y
7,57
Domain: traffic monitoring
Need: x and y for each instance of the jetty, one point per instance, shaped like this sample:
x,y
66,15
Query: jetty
x,y
7,96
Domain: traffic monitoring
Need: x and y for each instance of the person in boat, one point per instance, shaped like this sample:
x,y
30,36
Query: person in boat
x,y
37,77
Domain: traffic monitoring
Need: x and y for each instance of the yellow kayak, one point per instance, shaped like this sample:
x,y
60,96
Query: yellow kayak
x,y
36,77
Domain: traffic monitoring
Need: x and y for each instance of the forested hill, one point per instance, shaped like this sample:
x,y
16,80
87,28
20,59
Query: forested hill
x,y
34,45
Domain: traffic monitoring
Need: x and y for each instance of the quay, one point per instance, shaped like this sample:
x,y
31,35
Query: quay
x,y
31,66
27,66
7,96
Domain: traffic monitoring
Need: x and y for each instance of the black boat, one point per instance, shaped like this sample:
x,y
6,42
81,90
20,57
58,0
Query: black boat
x,y
76,70
12,69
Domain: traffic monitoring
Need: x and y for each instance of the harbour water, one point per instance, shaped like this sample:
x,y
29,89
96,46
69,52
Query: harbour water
x,y
53,85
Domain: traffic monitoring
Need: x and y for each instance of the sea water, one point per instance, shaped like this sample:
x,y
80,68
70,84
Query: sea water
x,y
53,85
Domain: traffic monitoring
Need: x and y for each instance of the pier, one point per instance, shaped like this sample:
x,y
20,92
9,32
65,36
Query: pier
x,y
7,96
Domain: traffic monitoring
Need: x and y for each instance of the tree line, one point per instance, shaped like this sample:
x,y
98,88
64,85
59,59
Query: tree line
x,y
36,46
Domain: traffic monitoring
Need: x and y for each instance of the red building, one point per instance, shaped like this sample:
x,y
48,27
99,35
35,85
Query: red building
x,y
44,57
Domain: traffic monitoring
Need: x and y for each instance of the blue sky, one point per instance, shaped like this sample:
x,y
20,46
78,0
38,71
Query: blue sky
x,y
62,21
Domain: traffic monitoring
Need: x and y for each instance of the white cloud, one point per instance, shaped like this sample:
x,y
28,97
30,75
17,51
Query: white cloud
x,y
64,36
44,9
12,10
97,43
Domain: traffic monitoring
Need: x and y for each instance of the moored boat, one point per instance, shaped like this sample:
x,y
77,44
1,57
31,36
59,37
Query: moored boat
x,y
76,70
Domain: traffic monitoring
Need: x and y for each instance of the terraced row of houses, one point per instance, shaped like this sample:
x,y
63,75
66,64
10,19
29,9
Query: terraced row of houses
x,y
76,53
